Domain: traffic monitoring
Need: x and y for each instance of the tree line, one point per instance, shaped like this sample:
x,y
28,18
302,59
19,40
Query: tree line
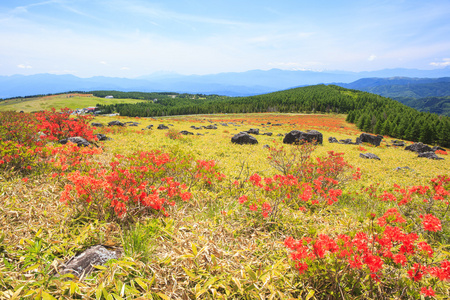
x,y
371,113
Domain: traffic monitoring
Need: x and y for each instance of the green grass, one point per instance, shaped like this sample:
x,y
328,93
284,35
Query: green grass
x,y
58,102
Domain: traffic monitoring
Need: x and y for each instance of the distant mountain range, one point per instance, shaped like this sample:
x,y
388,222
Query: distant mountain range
x,y
229,84
424,94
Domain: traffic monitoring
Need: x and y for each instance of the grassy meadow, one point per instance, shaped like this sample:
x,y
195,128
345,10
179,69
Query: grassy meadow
x,y
72,101
212,246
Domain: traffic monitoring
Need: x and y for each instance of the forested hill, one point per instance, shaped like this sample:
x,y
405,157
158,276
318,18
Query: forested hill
x,y
372,113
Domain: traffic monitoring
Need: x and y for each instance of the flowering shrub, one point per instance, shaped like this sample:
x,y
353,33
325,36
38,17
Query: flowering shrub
x,y
441,152
143,182
19,127
425,206
16,157
23,137
395,260
58,125
173,134
306,184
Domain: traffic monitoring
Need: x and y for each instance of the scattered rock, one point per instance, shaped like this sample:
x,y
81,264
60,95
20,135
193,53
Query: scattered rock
x,y
347,142
243,138
369,156
199,134
102,137
76,140
398,143
280,134
162,126
253,131
149,126
82,264
296,136
97,124
184,132
403,168
266,147
132,123
332,140
430,155
436,148
268,133
368,138
210,127
419,148
195,127
277,124
116,123
224,124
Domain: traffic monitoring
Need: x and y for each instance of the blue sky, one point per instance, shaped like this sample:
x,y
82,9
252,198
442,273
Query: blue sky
x,y
130,38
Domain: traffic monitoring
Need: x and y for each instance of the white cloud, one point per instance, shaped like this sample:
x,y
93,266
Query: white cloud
x,y
22,66
125,68
444,63
103,62
372,57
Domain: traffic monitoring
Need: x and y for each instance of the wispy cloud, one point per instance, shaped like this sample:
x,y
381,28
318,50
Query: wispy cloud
x,y
22,66
445,62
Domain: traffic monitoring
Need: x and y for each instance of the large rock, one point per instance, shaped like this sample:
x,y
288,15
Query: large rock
x,y
419,148
368,138
369,156
83,264
430,155
243,138
162,126
96,124
116,123
76,140
296,136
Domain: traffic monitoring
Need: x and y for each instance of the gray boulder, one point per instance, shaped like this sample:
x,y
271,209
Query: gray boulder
x,y
332,140
210,127
419,148
185,132
368,138
369,156
162,126
76,140
243,138
253,131
430,155
102,137
295,137
83,264
116,123
347,142
96,124
436,148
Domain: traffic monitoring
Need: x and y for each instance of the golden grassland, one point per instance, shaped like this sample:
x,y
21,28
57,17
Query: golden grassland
x,y
206,249
72,101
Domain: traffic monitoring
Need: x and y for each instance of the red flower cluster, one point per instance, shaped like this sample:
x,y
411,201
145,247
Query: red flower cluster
x,y
137,182
369,253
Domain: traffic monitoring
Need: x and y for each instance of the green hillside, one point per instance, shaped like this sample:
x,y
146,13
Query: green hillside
x,y
372,113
